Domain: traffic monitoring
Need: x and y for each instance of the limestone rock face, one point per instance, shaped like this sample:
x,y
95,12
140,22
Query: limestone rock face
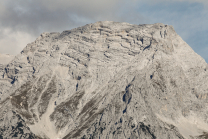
x,y
106,80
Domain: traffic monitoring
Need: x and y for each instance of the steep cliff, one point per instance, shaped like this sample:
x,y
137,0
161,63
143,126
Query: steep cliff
x,y
106,80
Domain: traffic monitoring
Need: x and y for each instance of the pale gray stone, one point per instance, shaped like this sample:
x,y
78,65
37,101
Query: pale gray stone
x,y
106,80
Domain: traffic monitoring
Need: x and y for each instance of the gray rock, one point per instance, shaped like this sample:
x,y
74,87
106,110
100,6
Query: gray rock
x,y
106,80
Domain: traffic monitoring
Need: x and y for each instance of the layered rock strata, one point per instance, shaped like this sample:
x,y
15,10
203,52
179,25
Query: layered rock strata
x,y
106,80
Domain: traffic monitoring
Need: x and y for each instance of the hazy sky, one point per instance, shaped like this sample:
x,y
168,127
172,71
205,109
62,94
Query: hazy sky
x,y
22,21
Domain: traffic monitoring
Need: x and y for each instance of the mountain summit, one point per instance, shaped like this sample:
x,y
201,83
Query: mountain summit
x,y
106,80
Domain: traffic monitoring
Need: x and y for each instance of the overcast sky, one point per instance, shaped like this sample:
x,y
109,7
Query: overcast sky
x,y
22,21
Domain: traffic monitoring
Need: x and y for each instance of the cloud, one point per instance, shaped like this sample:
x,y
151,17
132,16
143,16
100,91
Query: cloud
x,y
34,16
52,15
195,1
11,41
81,6
204,2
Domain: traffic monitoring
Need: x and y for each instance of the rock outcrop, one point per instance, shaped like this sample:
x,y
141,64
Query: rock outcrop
x,y
106,80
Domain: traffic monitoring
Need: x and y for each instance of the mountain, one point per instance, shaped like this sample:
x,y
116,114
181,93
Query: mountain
x,y
4,60
106,80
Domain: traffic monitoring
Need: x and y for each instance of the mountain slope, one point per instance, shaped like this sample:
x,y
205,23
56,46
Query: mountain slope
x,y
107,80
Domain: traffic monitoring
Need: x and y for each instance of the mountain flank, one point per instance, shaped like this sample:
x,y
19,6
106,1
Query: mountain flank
x,y
105,80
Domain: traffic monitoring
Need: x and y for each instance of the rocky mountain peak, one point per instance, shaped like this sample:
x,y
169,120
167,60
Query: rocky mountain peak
x,y
106,80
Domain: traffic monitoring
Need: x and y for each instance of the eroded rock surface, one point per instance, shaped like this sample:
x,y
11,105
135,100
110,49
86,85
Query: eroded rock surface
x,y
106,80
